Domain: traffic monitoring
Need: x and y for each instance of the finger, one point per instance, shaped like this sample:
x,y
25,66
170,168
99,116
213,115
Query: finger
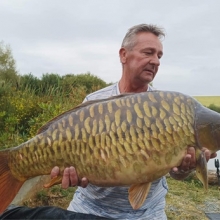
x,y
66,178
213,155
55,172
84,182
73,181
185,166
175,169
192,160
207,155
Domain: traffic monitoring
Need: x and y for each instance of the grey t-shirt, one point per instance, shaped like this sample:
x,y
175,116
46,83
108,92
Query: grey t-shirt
x,y
112,202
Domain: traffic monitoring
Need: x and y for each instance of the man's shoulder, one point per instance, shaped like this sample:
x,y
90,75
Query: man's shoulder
x,y
103,93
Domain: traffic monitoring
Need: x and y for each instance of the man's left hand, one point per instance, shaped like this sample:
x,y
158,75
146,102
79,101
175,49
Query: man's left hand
x,y
189,163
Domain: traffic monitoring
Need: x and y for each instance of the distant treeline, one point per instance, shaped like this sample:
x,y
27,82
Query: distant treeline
x,y
59,84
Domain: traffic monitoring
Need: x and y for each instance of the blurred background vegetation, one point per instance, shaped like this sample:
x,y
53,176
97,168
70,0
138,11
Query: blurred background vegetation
x,y
28,102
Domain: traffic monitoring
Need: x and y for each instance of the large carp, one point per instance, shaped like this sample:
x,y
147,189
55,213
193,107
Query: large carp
x,y
126,140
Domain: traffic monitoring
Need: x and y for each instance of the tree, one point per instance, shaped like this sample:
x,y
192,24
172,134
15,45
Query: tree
x,y
49,81
8,71
87,80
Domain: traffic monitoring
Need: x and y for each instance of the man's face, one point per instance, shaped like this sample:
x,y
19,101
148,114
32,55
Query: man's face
x,y
141,63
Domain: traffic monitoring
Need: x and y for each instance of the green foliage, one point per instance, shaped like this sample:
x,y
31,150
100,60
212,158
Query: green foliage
x,y
27,102
5,88
40,86
16,110
29,81
214,108
90,82
27,107
54,196
193,180
185,200
42,195
53,105
8,71
208,100
53,83
24,106
49,81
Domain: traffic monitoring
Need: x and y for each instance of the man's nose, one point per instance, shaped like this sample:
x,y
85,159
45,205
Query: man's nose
x,y
155,60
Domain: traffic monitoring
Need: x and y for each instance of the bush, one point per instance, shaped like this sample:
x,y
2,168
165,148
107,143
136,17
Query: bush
x,y
214,108
53,105
28,106
90,82
29,81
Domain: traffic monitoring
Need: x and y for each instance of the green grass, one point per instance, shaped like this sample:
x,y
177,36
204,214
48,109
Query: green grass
x,y
188,200
208,100
54,196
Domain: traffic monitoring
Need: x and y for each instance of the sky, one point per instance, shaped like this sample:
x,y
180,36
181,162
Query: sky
x,y
80,36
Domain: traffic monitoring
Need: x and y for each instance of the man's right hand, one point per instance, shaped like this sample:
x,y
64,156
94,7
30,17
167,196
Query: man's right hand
x,y
70,177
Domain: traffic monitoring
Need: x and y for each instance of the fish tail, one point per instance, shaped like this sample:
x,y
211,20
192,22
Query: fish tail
x,y
9,185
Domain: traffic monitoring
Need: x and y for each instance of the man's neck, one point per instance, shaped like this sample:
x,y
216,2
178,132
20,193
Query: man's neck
x,y
126,87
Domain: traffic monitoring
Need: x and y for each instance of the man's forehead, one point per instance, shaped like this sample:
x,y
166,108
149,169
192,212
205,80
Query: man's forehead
x,y
148,40
146,36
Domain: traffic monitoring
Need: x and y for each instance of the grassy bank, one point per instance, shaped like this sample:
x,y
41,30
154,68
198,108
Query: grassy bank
x,y
208,100
188,200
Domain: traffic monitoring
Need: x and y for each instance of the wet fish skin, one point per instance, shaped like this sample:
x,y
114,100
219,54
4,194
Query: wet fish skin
x,y
131,139
68,141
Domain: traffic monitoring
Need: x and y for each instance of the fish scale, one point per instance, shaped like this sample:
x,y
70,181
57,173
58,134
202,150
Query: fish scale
x,y
131,139
98,109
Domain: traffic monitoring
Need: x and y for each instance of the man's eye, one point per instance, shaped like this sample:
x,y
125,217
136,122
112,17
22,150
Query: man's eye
x,y
148,53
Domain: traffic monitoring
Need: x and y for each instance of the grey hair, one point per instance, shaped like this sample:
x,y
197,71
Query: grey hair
x,y
129,39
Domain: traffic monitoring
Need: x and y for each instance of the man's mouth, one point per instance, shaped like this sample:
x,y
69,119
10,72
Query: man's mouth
x,y
151,71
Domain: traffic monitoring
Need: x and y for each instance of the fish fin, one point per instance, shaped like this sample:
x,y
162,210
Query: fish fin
x,y
54,181
201,168
138,193
9,185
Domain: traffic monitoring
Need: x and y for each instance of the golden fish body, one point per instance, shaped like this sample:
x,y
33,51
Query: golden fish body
x,y
131,139
140,134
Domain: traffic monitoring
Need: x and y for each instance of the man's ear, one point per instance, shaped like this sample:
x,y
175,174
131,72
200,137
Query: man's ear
x,y
123,55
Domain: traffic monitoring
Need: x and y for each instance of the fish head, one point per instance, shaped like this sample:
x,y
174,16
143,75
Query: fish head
x,y
207,126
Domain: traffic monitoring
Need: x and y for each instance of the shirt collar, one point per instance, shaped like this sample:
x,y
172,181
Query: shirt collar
x,y
118,91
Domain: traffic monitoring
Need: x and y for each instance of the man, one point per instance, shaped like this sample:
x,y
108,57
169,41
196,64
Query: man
x,y
140,56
